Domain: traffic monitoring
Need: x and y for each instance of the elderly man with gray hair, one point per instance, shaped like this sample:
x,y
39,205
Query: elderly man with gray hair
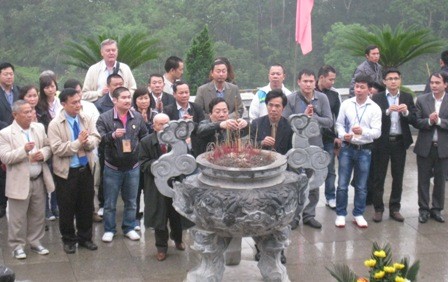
x,y
24,149
95,85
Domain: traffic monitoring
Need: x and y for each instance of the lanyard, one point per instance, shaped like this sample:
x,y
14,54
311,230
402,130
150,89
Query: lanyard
x,y
357,115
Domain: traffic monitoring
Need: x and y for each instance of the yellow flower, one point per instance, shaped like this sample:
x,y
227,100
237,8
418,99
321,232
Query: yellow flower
x,y
362,279
370,263
380,254
399,266
399,279
389,269
379,275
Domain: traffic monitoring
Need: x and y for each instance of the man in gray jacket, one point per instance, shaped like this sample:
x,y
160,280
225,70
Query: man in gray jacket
x,y
370,67
315,105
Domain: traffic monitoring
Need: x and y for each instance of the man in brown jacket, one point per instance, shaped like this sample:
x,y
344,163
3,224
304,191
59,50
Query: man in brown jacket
x,y
73,137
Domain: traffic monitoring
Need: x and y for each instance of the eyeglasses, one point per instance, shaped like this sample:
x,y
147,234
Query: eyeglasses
x,y
392,79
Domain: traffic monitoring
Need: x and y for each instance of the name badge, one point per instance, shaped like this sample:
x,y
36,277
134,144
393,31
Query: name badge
x,y
127,146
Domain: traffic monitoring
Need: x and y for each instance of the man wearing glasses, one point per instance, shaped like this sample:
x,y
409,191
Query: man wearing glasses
x,y
398,112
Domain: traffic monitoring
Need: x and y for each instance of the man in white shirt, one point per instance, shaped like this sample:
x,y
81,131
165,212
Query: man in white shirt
x,y
276,77
95,82
174,68
358,125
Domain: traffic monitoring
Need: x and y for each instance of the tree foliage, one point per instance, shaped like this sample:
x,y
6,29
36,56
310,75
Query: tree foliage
x,y
133,49
397,46
199,59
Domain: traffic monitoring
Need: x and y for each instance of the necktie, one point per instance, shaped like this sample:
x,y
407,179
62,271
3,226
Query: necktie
x,y
82,160
274,130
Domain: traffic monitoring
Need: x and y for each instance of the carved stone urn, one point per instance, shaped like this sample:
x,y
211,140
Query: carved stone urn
x,y
227,202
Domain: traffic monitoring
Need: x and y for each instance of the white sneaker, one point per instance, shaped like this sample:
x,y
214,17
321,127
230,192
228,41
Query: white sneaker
x,y
108,237
137,228
360,221
133,235
340,221
331,203
100,212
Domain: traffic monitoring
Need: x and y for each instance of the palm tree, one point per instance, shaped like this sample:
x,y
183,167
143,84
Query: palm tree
x,y
397,46
134,50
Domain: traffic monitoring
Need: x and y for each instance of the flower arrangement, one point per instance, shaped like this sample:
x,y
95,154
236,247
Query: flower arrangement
x,y
381,268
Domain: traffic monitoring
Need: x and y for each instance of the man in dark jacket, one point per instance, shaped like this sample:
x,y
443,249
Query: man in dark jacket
x,y
121,130
158,208
183,109
398,112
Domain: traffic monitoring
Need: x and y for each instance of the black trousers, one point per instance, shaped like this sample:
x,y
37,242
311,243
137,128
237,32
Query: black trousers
x,y
174,218
3,198
428,166
75,200
396,153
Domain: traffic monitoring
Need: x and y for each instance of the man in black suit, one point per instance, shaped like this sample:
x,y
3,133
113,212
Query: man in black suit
x,y
184,109
9,93
431,148
105,103
160,99
273,132
398,112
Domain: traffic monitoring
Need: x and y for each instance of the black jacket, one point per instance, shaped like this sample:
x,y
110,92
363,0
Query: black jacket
x,y
381,100
107,123
198,116
261,127
5,108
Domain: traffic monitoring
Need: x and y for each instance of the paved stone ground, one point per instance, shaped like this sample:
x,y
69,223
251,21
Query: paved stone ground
x,y
308,255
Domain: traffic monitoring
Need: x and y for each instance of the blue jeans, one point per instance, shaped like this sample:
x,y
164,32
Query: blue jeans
x,y
114,182
330,189
359,160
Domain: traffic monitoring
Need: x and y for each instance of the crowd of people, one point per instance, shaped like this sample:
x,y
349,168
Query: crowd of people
x,y
58,146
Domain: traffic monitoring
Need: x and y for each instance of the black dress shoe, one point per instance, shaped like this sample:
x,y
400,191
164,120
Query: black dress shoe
x,y
437,217
423,217
69,248
313,223
294,224
88,245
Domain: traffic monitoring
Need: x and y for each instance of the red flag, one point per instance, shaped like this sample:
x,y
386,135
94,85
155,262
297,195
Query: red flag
x,y
303,25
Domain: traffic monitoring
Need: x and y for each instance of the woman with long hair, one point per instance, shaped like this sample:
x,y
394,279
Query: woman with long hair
x,y
47,108
29,93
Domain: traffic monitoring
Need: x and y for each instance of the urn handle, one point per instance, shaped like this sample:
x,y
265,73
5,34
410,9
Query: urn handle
x,y
177,162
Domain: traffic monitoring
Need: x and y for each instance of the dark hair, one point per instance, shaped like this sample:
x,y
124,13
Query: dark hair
x,y
370,48
141,91
376,85
113,75
217,63
45,81
230,73
278,65
155,75
440,74
6,65
216,101
307,72
444,57
363,79
325,70
67,92
172,63
390,70
275,94
25,89
178,83
72,83
118,91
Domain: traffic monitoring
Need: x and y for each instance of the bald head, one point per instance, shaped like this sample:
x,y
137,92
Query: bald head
x,y
159,121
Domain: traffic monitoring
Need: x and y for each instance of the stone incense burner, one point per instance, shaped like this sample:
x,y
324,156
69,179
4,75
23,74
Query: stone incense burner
x,y
226,202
